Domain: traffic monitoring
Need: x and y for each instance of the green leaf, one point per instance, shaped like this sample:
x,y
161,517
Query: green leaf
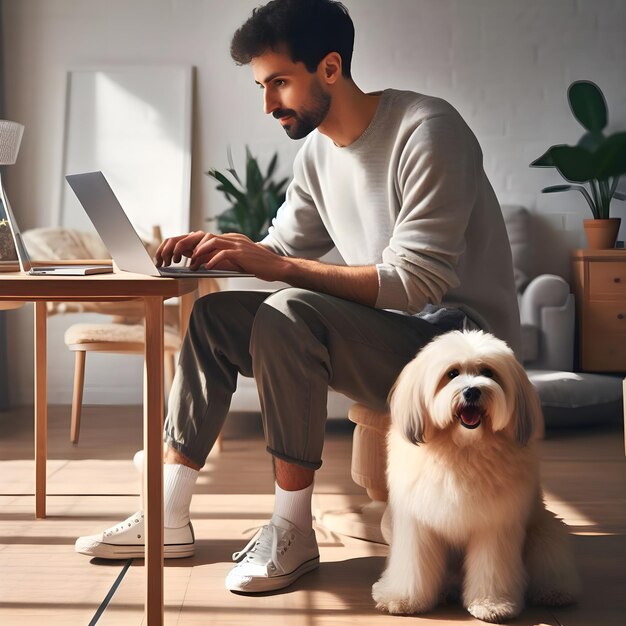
x,y
557,188
588,105
235,175
591,141
228,186
254,178
545,160
272,166
225,192
227,222
582,190
611,157
273,204
231,166
573,163
256,203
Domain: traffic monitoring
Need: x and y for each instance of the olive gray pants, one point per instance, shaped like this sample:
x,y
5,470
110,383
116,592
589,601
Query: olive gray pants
x,y
296,344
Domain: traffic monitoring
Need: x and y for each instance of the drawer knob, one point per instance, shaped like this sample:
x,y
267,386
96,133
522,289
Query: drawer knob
x,y
617,279
620,316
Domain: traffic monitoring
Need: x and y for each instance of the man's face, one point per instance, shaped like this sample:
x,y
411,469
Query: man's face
x,y
292,94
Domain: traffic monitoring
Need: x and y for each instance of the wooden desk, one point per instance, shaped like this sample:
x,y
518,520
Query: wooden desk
x,y
19,287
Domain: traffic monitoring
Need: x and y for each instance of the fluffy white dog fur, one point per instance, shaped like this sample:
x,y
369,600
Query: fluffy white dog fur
x,y
463,478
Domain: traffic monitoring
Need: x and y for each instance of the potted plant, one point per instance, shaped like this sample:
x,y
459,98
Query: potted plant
x,y
254,203
8,254
597,161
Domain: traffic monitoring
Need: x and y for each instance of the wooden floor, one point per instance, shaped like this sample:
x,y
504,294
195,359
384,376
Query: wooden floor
x,y
93,485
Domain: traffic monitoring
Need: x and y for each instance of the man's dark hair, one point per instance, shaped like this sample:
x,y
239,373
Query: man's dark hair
x,y
307,29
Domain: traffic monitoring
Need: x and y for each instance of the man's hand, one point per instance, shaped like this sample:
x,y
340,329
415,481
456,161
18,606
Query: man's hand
x,y
236,252
224,252
175,248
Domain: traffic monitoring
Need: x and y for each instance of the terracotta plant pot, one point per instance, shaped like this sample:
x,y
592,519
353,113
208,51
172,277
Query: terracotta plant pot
x,y
602,234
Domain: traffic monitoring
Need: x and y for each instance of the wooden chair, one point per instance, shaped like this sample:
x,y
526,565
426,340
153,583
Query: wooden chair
x,y
125,335
115,337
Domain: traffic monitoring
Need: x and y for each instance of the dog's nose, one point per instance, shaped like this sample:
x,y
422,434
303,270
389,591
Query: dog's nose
x,y
471,394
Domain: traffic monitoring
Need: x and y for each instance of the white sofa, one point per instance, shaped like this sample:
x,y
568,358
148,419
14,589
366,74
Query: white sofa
x,y
546,304
547,313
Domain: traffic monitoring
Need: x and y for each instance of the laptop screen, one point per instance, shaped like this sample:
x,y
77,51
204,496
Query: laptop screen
x,y
107,215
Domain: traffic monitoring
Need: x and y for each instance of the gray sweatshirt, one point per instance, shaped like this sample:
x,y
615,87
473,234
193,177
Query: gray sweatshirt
x,y
410,196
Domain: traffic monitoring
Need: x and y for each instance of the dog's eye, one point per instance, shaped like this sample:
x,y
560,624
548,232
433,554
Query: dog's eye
x,y
453,374
486,372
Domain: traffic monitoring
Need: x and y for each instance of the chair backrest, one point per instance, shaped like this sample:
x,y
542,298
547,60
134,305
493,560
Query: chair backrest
x,y
66,243
63,243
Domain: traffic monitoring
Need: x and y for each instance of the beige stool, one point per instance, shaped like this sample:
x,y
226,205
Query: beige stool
x,y
117,338
369,450
369,462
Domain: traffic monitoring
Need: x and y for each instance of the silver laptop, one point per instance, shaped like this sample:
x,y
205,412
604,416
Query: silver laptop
x,y
44,270
118,234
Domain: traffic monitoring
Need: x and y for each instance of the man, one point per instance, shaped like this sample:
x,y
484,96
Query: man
x,y
394,180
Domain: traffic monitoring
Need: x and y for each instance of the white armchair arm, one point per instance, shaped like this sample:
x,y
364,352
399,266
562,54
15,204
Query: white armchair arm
x,y
548,305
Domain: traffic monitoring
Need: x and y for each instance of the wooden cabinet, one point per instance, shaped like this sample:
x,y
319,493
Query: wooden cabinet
x,y
599,283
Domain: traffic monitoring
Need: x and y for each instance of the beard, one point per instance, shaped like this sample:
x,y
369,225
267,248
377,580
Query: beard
x,y
309,117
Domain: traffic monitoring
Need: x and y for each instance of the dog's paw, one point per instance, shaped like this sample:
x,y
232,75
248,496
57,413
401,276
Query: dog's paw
x,y
393,601
493,611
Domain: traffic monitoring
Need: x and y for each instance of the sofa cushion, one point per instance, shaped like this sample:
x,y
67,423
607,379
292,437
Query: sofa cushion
x,y
517,222
530,343
574,398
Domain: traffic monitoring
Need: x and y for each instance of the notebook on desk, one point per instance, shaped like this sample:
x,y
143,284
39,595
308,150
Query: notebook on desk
x,y
24,259
124,244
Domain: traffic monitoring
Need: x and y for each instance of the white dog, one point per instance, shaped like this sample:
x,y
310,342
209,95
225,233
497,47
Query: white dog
x,y
463,478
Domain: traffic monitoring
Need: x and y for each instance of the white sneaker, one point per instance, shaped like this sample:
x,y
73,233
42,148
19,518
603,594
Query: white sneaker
x,y
127,541
274,558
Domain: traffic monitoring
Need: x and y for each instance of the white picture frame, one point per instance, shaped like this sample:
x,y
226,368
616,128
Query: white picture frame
x,y
134,124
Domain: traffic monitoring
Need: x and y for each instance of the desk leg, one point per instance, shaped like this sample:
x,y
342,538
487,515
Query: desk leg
x,y
624,401
153,463
41,409
186,306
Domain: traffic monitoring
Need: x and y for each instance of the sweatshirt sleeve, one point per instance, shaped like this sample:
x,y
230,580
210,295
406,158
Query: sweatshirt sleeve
x,y
437,178
298,230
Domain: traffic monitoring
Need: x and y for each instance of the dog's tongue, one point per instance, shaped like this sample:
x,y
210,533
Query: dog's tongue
x,y
470,415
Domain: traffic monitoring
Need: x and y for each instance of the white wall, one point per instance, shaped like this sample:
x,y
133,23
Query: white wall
x,y
505,64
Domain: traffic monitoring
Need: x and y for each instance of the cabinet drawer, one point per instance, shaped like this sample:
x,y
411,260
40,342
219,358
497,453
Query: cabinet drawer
x,y
604,353
607,279
606,317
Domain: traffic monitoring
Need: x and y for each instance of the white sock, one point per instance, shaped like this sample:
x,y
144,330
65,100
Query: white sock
x,y
178,484
295,506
